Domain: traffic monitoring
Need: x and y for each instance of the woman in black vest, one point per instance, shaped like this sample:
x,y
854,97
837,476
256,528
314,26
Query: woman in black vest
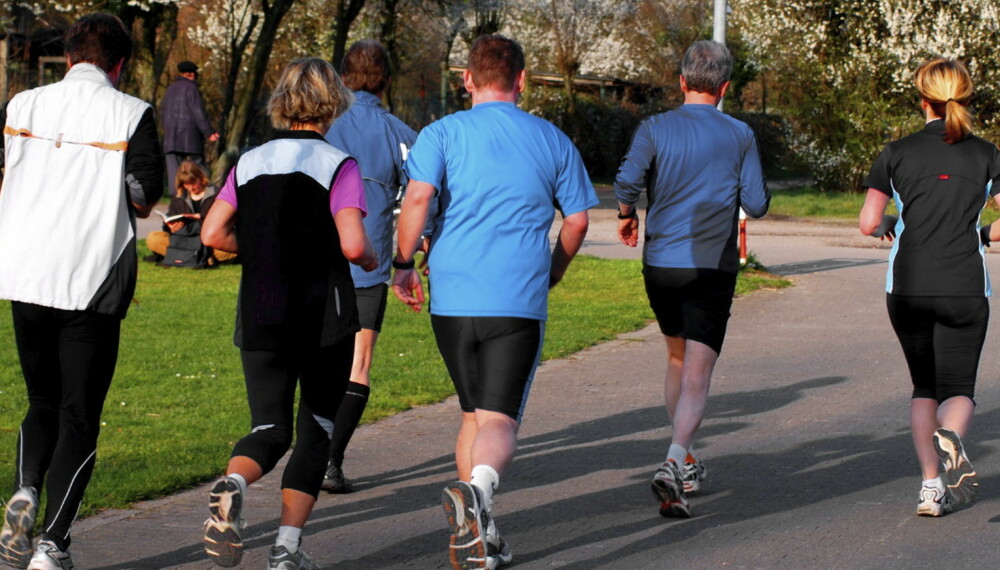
x,y
292,208
937,285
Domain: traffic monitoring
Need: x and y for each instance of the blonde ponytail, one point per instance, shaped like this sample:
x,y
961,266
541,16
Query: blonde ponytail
x,y
945,85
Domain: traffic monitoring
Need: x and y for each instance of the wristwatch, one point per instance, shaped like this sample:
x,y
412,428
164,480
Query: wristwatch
x,y
403,264
633,214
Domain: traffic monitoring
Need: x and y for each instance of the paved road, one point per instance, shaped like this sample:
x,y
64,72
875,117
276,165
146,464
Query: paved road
x,y
806,441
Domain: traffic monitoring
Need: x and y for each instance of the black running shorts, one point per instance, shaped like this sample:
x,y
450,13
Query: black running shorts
x,y
691,303
491,360
371,305
942,339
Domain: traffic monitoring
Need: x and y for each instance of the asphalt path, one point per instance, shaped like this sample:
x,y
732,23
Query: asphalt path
x,y
806,440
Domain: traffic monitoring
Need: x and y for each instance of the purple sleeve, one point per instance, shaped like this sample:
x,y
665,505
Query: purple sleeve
x,y
348,191
228,192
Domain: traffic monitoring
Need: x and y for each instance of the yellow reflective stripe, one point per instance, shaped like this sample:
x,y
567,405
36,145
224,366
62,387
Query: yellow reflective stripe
x,y
118,146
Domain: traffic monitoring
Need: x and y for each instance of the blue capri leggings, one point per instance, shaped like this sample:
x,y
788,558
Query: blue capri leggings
x,y
942,338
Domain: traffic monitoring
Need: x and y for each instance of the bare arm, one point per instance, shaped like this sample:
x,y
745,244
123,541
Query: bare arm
x,y
406,283
872,211
354,241
218,231
571,235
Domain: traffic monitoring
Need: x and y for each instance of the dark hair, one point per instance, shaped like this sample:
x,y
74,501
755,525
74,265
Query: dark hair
x,y
100,39
365,67
495,61
707,66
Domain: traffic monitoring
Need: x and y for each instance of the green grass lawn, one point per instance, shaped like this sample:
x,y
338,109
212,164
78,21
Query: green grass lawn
x,y
807,202
178,402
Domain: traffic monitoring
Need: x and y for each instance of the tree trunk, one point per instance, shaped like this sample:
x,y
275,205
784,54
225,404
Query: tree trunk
x,y
347,12
387,35
238,122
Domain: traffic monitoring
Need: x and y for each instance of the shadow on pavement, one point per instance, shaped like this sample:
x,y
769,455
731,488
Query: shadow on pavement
x,y
803,267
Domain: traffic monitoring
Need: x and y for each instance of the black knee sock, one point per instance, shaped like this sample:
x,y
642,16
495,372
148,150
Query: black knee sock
x,y
348,416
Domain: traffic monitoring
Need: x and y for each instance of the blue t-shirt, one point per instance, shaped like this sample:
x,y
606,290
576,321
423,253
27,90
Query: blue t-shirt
x,y
500,174
700,166
373,137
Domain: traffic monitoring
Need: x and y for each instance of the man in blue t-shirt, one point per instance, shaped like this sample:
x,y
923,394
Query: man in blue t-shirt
x,y
379,141
498,174
699,167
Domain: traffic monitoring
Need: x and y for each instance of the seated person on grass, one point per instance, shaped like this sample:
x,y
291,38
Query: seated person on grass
x,y
193,196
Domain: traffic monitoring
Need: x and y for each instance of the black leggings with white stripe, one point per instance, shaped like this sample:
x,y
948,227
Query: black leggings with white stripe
x,y
322,375
68,359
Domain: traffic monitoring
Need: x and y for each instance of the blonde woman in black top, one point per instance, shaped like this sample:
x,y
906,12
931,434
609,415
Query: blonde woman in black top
x,y
937,285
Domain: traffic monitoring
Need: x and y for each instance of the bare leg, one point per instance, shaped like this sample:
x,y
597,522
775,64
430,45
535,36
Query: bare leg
x,y
296,507
463,446
923,422
955,413
696,376
672,382
496,440
364,347
246,467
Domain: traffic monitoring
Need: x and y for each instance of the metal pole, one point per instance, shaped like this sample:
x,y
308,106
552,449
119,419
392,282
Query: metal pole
x,y
719,35
719,27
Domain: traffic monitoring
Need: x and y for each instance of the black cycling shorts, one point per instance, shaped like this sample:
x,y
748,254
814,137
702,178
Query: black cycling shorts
x,y
491,360
942,339
371,306
691,303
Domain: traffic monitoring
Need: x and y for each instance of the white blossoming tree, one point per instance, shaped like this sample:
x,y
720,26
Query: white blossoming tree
x,y
841,70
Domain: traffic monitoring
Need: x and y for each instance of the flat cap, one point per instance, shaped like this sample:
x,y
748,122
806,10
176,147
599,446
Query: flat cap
x,y
187,67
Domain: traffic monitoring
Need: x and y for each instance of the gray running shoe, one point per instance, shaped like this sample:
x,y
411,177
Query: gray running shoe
x,y
959,475
334,480
18,521
668,487
279,558
468,522
48,556
497,549
694,473
222,529
934,500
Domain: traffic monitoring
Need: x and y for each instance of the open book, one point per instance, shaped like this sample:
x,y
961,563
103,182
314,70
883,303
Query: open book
x,y
167,219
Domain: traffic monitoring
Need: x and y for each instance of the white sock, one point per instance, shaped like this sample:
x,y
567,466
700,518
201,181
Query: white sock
x,y
677,454
486,479
289,536
935,482
239,481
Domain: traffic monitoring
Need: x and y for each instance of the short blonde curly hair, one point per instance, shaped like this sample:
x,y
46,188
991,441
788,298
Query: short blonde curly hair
x,y
309,92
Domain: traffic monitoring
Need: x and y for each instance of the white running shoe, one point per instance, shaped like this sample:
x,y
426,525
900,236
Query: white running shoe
x,y
279,558
934,500
48,556
18,521
468,521
694,472
498,551
222,529
668,487
959,475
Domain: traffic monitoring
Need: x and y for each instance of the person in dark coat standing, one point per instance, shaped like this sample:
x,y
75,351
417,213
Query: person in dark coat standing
x,y
185,122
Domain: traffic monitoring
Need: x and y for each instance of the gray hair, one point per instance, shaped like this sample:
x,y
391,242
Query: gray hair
x,y
707,65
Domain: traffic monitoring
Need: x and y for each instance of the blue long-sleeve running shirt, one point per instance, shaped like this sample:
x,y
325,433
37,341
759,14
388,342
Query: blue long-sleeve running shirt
x,y
699,167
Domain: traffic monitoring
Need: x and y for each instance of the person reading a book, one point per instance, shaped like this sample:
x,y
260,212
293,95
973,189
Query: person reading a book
x,y
193,196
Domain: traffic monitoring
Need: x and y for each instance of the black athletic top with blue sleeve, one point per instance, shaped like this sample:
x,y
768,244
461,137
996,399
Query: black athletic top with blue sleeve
x,y
940,190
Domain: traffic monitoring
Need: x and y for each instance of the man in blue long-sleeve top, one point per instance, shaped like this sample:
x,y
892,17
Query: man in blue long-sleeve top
x,y
379,141
699,167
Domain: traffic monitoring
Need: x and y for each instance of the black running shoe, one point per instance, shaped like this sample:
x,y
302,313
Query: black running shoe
x,y
959,475
468,521
222,529
18,521
334,480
